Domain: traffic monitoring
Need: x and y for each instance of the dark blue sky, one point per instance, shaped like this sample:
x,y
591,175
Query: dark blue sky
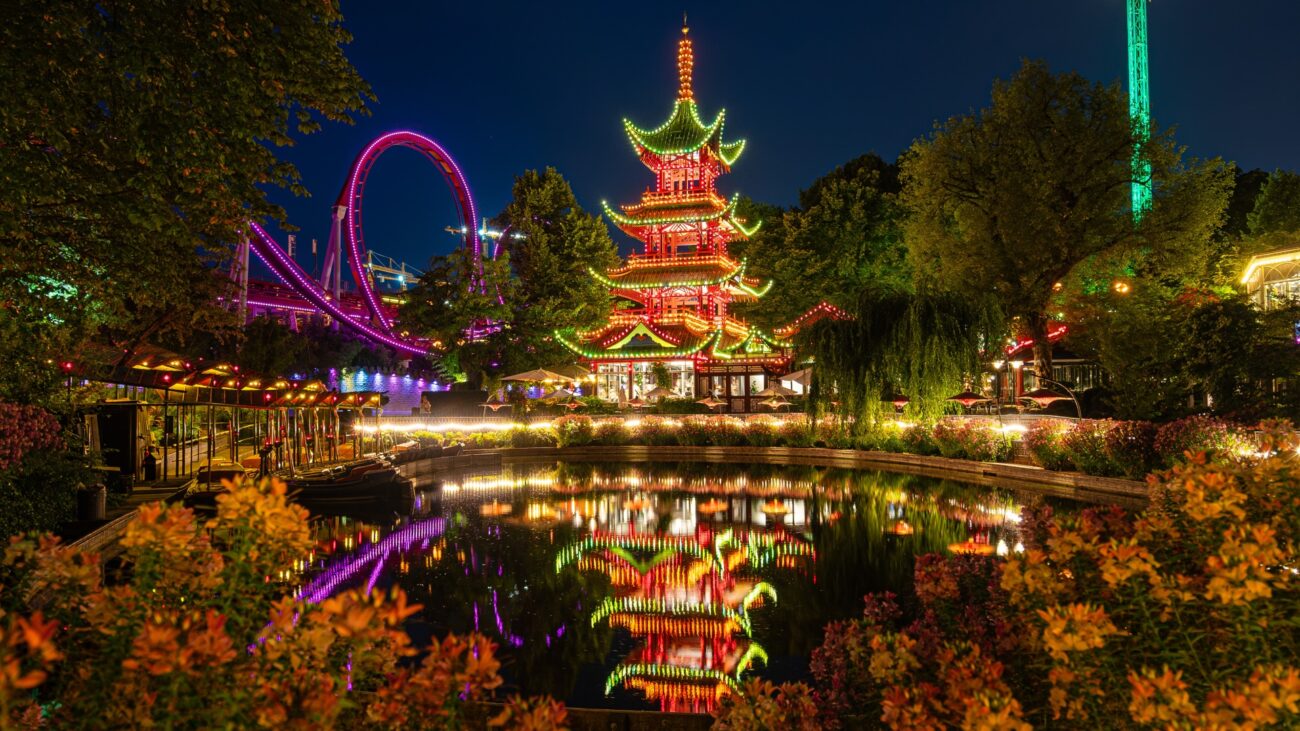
x,y
508,86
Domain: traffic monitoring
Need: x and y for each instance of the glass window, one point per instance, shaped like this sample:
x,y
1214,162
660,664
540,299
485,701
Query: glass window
x,y
737,385
756,383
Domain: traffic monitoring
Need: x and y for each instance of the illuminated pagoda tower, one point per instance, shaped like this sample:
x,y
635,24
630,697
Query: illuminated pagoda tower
x,y
673,298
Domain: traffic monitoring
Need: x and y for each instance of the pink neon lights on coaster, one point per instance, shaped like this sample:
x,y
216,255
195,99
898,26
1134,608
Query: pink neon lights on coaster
x,y
351,194
291,274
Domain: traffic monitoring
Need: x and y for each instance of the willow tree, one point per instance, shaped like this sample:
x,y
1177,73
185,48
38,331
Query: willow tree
x,y
1014,198
924,346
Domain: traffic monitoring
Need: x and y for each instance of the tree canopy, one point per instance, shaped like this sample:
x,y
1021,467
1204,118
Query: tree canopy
x,y
843,237
136,142
1014,198
538,284
1277,209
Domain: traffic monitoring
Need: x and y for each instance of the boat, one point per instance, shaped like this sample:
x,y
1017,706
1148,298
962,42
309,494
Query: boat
x,y
208,481
363,479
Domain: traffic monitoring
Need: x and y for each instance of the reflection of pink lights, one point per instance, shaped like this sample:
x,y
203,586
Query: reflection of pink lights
x,y
333,578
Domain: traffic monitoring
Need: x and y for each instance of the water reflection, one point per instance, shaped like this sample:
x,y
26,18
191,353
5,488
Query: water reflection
x,y
655,586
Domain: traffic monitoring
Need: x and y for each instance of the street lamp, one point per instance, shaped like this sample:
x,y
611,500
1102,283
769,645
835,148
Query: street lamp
x,y
1045,396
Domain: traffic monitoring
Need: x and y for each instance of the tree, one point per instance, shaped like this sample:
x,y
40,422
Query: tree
x,y
843,237
269,347
467,316
1277,209
553,244
137,143
920,344
1012,199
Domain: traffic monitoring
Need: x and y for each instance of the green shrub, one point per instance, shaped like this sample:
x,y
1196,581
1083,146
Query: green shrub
x,y
1085,445
763,433
799,434
40,492
574,431
919,439
693,431
656,432
726,431
532,437
983,441
1046,443
1198,433
612,433
948,438
1131,446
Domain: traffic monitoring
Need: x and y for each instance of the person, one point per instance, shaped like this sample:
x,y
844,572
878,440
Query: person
x,y
264,458
150,465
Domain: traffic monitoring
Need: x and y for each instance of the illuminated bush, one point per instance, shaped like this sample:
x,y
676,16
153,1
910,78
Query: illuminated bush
x,y
202,635
1180,616
1045,442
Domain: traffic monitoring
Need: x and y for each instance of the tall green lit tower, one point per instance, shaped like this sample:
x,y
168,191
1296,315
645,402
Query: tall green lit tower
x,y
1139,102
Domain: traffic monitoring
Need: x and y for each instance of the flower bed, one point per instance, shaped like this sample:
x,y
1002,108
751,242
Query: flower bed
x,y
1179,616
1103,448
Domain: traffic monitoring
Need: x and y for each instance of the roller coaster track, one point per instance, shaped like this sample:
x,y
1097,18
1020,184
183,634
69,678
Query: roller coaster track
x,y
348,232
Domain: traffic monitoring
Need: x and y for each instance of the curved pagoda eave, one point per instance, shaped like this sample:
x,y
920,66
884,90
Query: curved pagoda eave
x,y
684,132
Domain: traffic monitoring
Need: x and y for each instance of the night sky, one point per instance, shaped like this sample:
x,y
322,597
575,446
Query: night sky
x,y
509,86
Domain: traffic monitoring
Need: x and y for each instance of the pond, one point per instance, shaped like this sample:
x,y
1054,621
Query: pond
x,y
653,586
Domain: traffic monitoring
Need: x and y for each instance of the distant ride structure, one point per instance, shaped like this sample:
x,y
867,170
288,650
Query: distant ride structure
x,y
366,312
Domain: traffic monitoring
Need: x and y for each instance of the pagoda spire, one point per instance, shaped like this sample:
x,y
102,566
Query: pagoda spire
x,y
685,65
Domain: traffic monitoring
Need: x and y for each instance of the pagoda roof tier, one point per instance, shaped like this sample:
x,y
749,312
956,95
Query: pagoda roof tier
x,y
703,212
683,271
733,342
685,132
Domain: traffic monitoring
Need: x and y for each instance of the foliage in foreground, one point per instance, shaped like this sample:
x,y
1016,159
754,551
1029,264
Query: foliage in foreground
x,y
1181,616
202,635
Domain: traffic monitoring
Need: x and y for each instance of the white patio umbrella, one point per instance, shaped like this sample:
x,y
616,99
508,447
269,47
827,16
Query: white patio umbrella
x,y
659,392
776,390
539,375
802,377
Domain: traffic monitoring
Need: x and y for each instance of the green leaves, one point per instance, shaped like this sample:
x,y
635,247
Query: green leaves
x,y
1012,199
142,145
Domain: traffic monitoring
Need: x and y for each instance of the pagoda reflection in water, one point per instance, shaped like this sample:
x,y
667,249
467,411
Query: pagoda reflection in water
x,y
686,594
654,585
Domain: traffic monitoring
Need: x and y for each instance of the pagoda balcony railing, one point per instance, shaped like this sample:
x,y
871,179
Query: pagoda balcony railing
x,y
706,256
680,317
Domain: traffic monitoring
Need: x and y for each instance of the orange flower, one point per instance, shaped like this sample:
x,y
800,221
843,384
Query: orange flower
x,y
892,657
1075,628
1159,697
1240,572
1121,561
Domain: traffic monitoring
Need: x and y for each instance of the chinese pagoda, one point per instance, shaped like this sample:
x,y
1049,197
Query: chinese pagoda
x,y
672,299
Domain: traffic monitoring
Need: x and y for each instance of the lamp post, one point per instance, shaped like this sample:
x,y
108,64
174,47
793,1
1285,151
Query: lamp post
x,y
1077,408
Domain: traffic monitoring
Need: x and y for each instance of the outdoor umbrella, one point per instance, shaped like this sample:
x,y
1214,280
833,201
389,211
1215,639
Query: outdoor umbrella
x,y
572,371
1044,396
636,403
967,398
775,403
711,402
802,377
559,394
539,375
777,390
898,400
659,392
